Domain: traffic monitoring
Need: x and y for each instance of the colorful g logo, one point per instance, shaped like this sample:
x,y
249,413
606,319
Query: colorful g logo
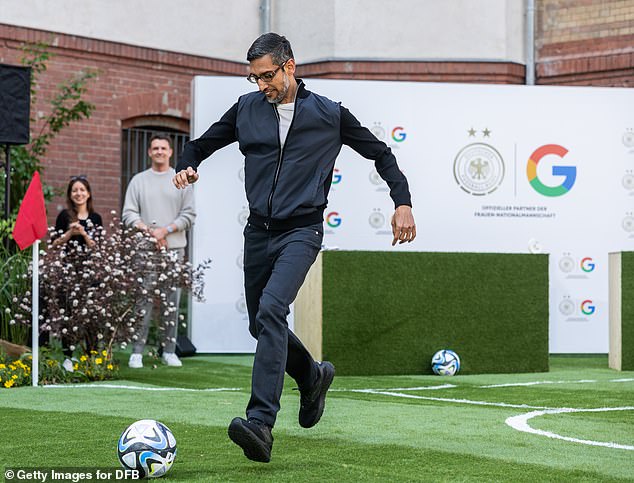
x,y
569,172
333,219
587,307
587,264
336,177
398,134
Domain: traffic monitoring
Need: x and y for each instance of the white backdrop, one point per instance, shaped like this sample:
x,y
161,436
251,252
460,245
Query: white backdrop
x,y
492,168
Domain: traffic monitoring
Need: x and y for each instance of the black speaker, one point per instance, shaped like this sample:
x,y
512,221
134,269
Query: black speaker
x,y
184,347
15,104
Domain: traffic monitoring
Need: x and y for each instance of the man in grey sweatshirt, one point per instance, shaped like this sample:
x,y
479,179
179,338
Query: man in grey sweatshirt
x,y
154,205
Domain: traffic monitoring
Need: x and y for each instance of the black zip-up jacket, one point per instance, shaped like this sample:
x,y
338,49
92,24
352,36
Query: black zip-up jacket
x,y
288,188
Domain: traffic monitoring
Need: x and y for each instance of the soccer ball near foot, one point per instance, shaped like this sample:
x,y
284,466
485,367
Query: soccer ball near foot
x,y
148,447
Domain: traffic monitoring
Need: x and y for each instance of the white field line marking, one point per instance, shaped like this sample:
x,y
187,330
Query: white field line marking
x,y
445,399
536,383
140,388
488,386
520,423
419,388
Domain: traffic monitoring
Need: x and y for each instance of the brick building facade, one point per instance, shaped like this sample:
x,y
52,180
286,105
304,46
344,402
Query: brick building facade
x,y
135,87
585,42
580,42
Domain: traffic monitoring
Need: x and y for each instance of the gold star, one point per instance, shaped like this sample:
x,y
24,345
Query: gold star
x,y
486,132
471,132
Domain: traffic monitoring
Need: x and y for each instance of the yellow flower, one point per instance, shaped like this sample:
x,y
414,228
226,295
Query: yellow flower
x,y
3,366
98,360
83,358
75,365
9,383
94,353
110,367
50,362
14,376
104,353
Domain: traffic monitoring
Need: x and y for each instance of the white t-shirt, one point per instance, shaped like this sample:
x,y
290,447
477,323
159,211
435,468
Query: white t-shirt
x,y
286,116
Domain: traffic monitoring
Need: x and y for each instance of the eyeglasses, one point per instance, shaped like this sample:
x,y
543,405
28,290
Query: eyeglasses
x,y
81,177
267,76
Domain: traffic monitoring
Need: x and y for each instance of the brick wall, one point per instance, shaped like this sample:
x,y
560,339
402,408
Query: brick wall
x,y
132,83
585,42
135,82
469,72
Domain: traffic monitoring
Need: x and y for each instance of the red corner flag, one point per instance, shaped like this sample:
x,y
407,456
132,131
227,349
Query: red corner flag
x,y
31,223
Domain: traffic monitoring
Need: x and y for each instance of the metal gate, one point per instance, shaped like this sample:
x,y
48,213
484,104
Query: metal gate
x,y
134,146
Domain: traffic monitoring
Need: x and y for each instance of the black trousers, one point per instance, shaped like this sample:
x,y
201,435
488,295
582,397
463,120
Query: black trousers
x,y
275,265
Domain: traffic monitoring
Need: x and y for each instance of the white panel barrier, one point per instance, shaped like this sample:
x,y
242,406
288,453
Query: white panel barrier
x,y
492,168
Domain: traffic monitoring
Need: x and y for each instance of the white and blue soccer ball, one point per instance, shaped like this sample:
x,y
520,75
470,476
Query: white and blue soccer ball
x,y
147,446
445,363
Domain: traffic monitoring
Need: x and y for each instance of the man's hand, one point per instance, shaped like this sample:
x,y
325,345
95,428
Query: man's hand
x,y
403,226
159,233
185,177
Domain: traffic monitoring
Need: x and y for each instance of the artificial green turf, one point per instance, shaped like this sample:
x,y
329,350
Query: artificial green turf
x,y
435,436
204,455
388,313
627,311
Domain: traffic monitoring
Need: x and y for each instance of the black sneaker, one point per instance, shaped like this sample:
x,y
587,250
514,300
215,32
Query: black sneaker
x,y
254,437
313,401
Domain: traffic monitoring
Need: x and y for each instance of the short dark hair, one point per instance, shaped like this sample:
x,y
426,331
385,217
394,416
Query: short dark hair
x,y
274,44
162,137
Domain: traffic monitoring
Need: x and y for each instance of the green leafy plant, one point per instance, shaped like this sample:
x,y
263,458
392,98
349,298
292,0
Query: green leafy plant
x,y
14,373
14,282
56,368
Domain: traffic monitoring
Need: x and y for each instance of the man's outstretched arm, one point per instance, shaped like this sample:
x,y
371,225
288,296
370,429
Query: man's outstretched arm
x,y
219,135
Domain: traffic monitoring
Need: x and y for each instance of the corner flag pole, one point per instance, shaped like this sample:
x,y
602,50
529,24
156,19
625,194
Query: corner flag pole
x,y
30,227
35,314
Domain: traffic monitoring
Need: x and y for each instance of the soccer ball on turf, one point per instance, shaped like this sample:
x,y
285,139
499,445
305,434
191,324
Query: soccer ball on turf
x,y
445,363
147,446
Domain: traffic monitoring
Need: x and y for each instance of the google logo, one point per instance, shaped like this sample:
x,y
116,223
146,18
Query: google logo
x,y
399,134
569,172
587,264
336,177
333,219
587,307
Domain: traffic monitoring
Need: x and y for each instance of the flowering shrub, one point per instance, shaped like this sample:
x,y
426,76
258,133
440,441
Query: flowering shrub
x,y
14,373
90,296
95,366
55,368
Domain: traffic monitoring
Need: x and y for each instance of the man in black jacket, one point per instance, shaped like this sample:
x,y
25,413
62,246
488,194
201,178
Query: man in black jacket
x,y
290,138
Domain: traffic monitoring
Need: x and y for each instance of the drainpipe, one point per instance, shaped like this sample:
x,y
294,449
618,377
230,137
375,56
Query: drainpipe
x,y
530,42
265,16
